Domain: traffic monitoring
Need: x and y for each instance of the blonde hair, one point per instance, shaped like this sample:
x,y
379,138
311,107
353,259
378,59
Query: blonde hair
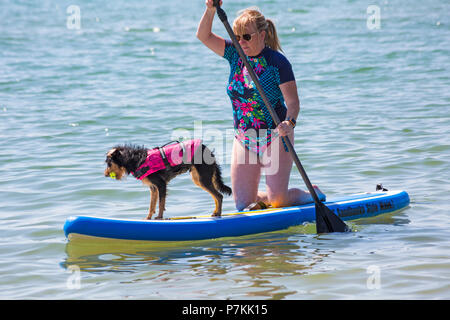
x,y
253,15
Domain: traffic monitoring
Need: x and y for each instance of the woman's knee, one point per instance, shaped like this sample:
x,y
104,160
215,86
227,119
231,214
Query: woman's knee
x,y
245,191
241,205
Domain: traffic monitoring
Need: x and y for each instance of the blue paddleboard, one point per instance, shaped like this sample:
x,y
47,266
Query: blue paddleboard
x,y
235,224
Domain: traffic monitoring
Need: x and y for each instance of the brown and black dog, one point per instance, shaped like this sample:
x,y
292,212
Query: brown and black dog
x,y
156,167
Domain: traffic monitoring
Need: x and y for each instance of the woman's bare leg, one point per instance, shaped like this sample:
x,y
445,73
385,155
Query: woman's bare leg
x,y
245,175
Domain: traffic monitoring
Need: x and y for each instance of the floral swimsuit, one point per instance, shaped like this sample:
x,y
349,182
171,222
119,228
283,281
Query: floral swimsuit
x,y
252,121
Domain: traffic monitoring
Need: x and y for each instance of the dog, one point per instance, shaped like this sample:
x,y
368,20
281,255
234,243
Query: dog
x,y
156,167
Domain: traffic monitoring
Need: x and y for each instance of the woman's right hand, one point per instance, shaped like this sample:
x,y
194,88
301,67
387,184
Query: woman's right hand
x,y
210,4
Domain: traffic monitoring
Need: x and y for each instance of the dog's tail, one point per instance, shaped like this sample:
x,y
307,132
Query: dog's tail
x,y
218,182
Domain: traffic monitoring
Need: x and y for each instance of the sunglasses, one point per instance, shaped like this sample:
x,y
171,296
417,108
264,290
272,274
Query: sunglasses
x,y
246,37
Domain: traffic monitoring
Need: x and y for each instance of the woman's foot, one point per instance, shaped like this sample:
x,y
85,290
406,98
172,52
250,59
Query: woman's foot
x,y
304,197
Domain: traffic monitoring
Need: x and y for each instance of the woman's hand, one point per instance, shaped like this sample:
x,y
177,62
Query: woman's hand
x,y
285,128
210,4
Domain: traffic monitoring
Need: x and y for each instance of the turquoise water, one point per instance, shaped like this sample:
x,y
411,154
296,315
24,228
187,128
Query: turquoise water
x,y
375,108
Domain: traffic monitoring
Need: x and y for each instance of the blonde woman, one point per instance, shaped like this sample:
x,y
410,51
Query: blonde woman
x,y
257,145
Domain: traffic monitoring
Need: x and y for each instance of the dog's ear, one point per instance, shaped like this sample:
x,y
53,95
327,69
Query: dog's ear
x,y
111,152
116,155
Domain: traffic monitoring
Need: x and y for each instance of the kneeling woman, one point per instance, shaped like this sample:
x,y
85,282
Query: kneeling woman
x,y
257,145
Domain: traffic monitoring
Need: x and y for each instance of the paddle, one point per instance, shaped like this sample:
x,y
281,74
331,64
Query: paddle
x,y
326,220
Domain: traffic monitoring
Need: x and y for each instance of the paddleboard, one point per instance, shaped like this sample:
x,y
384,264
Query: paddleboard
x,y
234,224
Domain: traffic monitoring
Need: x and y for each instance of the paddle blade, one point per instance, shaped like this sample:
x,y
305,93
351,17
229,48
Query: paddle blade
x,y
327,221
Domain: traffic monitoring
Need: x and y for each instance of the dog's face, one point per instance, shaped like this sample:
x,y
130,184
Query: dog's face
x,y
114,167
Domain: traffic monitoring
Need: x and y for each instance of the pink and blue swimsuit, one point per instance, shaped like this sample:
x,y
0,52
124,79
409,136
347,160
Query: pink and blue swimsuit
x,y
252,121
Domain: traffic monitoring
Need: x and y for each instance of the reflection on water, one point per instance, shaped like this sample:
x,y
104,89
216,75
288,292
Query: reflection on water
x,y
249,260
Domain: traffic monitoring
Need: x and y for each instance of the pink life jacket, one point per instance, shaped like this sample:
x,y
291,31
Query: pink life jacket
x,y
173,154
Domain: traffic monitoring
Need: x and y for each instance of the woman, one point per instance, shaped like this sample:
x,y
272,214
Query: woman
x,y
257,143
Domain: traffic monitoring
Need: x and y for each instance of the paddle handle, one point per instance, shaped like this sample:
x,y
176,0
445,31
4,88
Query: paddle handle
x,y
223,17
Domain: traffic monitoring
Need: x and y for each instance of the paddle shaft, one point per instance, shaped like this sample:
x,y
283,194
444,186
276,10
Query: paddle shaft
x,y
223,17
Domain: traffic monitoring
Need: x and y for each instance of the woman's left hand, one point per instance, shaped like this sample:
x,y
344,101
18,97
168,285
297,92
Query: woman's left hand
x,y
284,128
